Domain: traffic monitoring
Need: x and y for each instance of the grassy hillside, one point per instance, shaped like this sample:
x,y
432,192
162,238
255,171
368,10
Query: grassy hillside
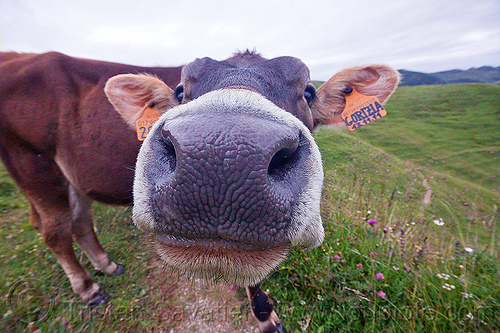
x,y
452,135
456,127
391,261
485,74
410,78
410,213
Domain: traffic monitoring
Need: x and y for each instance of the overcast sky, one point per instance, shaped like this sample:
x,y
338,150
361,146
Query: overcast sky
x,y
328,35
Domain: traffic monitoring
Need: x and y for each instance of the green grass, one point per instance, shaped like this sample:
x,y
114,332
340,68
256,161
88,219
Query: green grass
x,y
452,135
445,136
453,129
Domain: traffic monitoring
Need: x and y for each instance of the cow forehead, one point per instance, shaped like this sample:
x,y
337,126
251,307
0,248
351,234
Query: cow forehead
x,y
286,69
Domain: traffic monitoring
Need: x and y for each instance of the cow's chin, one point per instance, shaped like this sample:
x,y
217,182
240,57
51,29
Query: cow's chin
x,y
216,259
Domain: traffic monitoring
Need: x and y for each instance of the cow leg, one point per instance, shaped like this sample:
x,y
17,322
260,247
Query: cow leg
x,y
262,310
84,235
55,228
46,188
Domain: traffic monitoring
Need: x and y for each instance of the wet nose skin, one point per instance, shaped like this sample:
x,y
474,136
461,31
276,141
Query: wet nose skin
x,y
229,176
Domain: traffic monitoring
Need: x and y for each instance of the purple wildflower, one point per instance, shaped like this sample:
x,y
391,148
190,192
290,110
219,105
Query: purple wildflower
x,y
379,276
360,266
336,257
381,294
406,267
371,221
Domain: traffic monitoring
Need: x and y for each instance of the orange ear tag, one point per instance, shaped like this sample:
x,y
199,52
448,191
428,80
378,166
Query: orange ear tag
x,y
143,125
360,110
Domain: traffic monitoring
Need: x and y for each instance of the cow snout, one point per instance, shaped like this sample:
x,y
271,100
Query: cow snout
x,y
230,176
228,183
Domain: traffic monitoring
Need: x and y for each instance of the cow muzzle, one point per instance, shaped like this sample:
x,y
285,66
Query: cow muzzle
x,y
229,182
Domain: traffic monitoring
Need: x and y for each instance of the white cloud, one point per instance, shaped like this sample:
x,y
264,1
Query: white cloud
x,y
328,35
140,35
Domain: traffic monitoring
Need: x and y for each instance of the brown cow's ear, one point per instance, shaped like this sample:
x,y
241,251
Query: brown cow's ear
x,y
372,80
130,94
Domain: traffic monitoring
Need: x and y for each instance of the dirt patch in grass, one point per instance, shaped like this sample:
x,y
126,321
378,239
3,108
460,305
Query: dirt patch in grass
x,y
187,305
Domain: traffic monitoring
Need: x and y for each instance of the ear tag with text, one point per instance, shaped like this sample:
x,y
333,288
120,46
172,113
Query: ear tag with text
x,y
143,125
360,110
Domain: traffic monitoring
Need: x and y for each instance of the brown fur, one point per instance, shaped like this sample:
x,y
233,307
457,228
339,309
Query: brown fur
x,y
7,56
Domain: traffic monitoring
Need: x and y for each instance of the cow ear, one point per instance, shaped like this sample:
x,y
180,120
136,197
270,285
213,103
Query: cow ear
x,y
130,94
372,80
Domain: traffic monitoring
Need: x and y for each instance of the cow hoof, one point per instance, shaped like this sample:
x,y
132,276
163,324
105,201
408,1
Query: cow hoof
x,y
99,298
119,270
272,328
280,328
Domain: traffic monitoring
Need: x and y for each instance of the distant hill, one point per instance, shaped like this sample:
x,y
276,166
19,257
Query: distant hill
x,y
485,74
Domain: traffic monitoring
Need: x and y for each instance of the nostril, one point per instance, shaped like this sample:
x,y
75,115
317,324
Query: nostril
x,y
282,161
170,156
169,147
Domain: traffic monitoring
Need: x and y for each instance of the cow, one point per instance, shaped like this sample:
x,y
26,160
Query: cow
x,y
65,146
228,179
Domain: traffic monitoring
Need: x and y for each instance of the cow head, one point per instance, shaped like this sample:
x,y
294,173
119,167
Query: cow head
x,y
231,178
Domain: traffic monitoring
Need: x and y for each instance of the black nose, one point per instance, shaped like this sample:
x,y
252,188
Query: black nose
x,y
229,176
287,146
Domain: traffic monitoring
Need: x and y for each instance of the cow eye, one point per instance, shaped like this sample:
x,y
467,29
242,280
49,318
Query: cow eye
x,y
179,93
309,93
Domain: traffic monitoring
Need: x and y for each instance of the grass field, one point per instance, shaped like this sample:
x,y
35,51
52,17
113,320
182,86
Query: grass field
x,y
391,261
452,135
439,261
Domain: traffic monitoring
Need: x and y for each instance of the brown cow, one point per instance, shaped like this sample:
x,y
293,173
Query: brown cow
x,y
230,179
64,145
